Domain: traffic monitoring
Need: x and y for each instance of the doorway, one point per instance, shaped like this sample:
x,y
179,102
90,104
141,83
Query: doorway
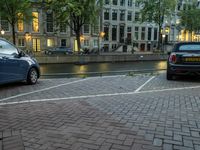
x,y
36,45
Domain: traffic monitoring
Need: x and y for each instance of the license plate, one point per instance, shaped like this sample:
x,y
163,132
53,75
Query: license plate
x,y
192,59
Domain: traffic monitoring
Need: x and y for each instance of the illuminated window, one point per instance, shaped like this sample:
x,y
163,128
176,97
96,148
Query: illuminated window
x,y
35,21
20,22
50,42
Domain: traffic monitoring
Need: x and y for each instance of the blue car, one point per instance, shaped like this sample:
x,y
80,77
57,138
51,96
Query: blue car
x,y
15,65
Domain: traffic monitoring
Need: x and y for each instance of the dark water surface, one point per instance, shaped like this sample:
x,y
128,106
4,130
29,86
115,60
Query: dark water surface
x,y
100,67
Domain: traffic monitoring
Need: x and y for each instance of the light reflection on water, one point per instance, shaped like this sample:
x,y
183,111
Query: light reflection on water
x,y
101,67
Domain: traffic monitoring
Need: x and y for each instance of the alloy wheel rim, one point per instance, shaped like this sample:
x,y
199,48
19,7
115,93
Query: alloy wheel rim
x,y
33,76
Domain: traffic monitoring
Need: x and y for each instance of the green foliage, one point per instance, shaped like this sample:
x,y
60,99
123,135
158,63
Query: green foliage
x,y
76,13
10,10
189,19
155,11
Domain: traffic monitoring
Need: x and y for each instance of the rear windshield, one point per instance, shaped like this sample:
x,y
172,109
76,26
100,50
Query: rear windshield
x,y
189,47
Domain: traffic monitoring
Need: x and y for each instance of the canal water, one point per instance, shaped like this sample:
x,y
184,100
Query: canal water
x,y
99,68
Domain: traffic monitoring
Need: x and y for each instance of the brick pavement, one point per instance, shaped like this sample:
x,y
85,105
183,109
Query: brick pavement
x,y
147,121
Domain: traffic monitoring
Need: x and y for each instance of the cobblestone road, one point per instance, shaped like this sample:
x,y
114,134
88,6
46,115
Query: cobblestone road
x,y
142,112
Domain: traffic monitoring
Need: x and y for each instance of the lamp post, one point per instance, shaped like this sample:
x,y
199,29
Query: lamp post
x,y
101,35
163,40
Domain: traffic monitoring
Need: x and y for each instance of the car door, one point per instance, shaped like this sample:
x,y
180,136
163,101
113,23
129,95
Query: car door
x,y
9,64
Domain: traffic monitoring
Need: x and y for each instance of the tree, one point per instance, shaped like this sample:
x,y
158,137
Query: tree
x,y
76,13
156,11
188,17
13,10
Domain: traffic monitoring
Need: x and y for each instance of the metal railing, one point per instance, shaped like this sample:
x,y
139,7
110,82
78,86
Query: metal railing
x,y
103,73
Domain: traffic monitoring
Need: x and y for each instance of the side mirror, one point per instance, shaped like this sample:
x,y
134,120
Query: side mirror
x,y
21,54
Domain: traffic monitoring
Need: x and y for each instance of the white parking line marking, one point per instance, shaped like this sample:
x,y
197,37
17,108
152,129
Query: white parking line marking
x,y
45,89
100,95
138,89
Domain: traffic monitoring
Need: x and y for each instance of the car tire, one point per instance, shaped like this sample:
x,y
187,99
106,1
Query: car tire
x,y
169,76
32,76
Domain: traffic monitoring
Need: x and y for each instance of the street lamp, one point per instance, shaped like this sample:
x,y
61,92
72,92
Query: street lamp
x,y
2,32
101,35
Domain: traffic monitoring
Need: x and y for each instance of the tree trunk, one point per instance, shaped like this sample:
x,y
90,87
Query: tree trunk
x,y
78,40
159,37
13,33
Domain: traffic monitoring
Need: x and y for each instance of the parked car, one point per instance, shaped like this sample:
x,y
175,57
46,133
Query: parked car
x,y
59,50
184,60
15,65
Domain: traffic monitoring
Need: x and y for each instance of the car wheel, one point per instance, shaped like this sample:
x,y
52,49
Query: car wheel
x,y
32,76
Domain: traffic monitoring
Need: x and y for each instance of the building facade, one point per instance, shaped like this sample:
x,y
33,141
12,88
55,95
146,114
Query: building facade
x,y
119,20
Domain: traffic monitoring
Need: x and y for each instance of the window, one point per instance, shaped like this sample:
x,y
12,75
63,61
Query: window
x,y
6,48
106,2
189,47
95,29
121,34
155,34
114,14
137,16
86,28
21,42
106,30
129,16
95,43
129,35
129,29
35,23
143,33
130,3
106,14
137,4
50,22
136,33
20,22
149,34
122,15
50,43
63,42
122,2
86,42
36,45
114,33
4,24
114,2
63,28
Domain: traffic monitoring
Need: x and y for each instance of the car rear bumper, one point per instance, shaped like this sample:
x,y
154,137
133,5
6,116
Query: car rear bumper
x,y
183,69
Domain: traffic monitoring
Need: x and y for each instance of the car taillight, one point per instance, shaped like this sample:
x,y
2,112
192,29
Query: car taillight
x,y
172,58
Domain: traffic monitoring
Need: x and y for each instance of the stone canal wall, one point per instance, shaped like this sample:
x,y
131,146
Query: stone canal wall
x,y
99,58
